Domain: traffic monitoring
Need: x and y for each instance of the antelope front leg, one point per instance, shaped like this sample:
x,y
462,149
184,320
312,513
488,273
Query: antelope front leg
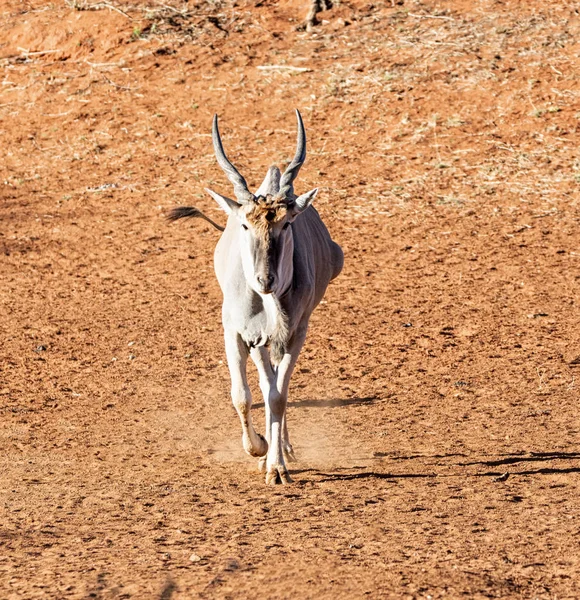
x,y
276,471
237,355
261,358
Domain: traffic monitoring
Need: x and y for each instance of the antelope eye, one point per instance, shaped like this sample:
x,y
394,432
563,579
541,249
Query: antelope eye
x,y
286,225
244,227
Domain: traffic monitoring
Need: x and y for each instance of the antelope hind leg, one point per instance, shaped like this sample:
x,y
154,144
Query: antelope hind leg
x,y
287,448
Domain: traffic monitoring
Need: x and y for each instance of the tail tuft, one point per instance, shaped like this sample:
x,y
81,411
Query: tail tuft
x,y
181,212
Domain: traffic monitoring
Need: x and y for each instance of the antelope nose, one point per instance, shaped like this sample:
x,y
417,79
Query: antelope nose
x,y
266,282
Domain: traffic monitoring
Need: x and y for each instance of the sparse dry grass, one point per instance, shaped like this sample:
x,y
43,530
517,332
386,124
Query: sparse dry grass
x,y
461,101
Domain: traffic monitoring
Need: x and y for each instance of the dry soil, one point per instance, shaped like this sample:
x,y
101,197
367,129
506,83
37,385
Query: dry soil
x,y
434,410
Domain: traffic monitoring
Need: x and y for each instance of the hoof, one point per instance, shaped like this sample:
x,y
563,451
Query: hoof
x,y
277,475
262,464
260,448
289,454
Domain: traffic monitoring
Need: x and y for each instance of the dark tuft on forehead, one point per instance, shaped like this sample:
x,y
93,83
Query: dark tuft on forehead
x,y
266,211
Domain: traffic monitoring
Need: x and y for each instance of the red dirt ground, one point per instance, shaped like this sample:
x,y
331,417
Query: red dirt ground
x,y
434,410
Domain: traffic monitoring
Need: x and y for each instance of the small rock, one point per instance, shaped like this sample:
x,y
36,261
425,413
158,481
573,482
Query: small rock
x,y
194,558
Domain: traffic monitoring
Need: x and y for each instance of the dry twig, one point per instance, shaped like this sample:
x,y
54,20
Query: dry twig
x,y
284,68
430,17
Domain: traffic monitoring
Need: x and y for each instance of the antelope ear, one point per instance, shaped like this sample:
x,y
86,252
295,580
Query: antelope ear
x,y
228,205
303,202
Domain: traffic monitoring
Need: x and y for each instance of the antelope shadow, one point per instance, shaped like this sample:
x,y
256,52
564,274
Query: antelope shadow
x,y
531,457
330,403
446,469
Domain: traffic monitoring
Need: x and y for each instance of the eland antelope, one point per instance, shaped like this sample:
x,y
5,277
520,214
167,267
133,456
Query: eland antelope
x,y
273,263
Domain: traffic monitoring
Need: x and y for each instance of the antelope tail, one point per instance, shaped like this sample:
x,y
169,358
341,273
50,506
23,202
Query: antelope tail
x,y
181,212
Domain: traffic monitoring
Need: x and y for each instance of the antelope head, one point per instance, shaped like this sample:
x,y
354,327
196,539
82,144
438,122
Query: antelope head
x,y
264,219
